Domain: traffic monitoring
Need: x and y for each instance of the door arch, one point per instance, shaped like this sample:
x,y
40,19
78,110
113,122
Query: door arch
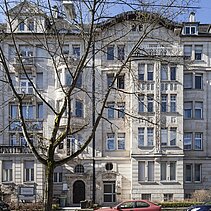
x,y
78,191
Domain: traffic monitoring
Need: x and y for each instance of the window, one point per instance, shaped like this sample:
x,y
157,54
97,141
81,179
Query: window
x,y
26,86
173,136
187,52
110,142
145,171
141,136
141,69
187,141
150,69
198,52
121,110
173,103
193,81
141,103
198,81
40,110
30,24
198,141
188,81
65,50
109,193
197,172
7,171
110,110
76,51
13,140
150,136
164,137
13,111
164,72
198,110
72,144
121,52
168,197
27,110
29,171
79,169
110,53
68,77
79,80
39,81
173,73
163,103
188,172
21,25
188,110
168,171
110,78
149,103
109,166
26,51
121,82
78,108
146,196
121,141
190,30
57,175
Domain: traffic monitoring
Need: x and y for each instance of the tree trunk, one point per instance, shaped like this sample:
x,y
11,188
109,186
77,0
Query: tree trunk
x,y
49,186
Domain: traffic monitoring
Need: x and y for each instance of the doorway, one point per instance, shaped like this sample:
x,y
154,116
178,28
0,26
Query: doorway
x,y
78,191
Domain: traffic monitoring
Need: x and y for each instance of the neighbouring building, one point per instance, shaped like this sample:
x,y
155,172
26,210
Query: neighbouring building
x,y
153,142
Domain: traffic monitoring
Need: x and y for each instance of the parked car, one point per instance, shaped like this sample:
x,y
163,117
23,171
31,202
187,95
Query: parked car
x,y
203,207
4,206
134,205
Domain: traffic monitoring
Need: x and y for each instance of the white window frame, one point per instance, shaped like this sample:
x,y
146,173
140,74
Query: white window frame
x,y
7,171
29,174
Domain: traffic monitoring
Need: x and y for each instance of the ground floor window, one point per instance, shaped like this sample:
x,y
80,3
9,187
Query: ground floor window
x,y
146,196
168,197
109,191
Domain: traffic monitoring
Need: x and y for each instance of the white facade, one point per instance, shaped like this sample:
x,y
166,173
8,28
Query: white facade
x,y
147,146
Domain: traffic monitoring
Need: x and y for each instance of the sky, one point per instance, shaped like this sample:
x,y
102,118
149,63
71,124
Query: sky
x,y
203,15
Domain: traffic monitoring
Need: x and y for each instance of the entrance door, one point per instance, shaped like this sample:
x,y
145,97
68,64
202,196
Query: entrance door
x,y
78,192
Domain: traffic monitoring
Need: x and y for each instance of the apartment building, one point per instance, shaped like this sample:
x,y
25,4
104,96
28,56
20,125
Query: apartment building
x,y
153,141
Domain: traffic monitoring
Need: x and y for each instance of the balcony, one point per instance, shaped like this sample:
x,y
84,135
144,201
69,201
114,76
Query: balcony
x,y
27,61
5,149
30,125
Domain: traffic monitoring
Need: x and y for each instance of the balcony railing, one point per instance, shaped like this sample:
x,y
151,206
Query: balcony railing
x,y
30,125
5,149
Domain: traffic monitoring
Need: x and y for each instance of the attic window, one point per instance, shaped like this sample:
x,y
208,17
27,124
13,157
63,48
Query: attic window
x,y
190,30
21,25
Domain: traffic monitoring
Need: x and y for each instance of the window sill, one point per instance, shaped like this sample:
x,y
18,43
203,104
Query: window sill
x,y
169,182
147,182
145,147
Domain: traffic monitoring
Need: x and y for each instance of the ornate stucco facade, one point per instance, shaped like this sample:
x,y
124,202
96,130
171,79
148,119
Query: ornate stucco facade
x,y
153,142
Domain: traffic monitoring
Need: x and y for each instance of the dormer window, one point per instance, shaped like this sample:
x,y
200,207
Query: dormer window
x,y
190,30
25,25
30,25
21,25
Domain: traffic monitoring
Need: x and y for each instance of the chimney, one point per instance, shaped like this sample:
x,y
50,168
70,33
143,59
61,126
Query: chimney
x,y
192,17
69,9
55,11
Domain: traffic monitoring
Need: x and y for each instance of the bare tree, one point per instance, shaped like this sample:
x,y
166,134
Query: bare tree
x,y
91,25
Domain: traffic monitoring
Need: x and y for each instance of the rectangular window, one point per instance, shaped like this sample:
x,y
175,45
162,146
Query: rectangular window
x,y
110,110
110,141
110,53
163,103
68,77
57,177
121,82
121,52
76,51
150,136
146,196
173,103
109,193
187,52
197,172
30,24
164,137
163,171
187,141
173,73
7,171
198,141
188,172
168,197
188,81
150,170
28,111
141,70
29,171
39,81
173,171
141,103
198,81
150,69
198,52
141,171
173,136
110,79
13,111
40,110
164,72
121,141
13,140
26,86
188,110
21,25
198,110
121,110
79,80
79,108
149,103
141,136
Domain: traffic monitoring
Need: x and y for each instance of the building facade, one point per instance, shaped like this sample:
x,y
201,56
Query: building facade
x,y
153,140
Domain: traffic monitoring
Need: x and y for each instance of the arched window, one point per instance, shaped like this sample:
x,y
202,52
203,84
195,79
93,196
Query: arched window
x,y
79,169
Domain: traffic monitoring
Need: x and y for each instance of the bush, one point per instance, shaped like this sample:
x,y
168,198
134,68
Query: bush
x,y
179,204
